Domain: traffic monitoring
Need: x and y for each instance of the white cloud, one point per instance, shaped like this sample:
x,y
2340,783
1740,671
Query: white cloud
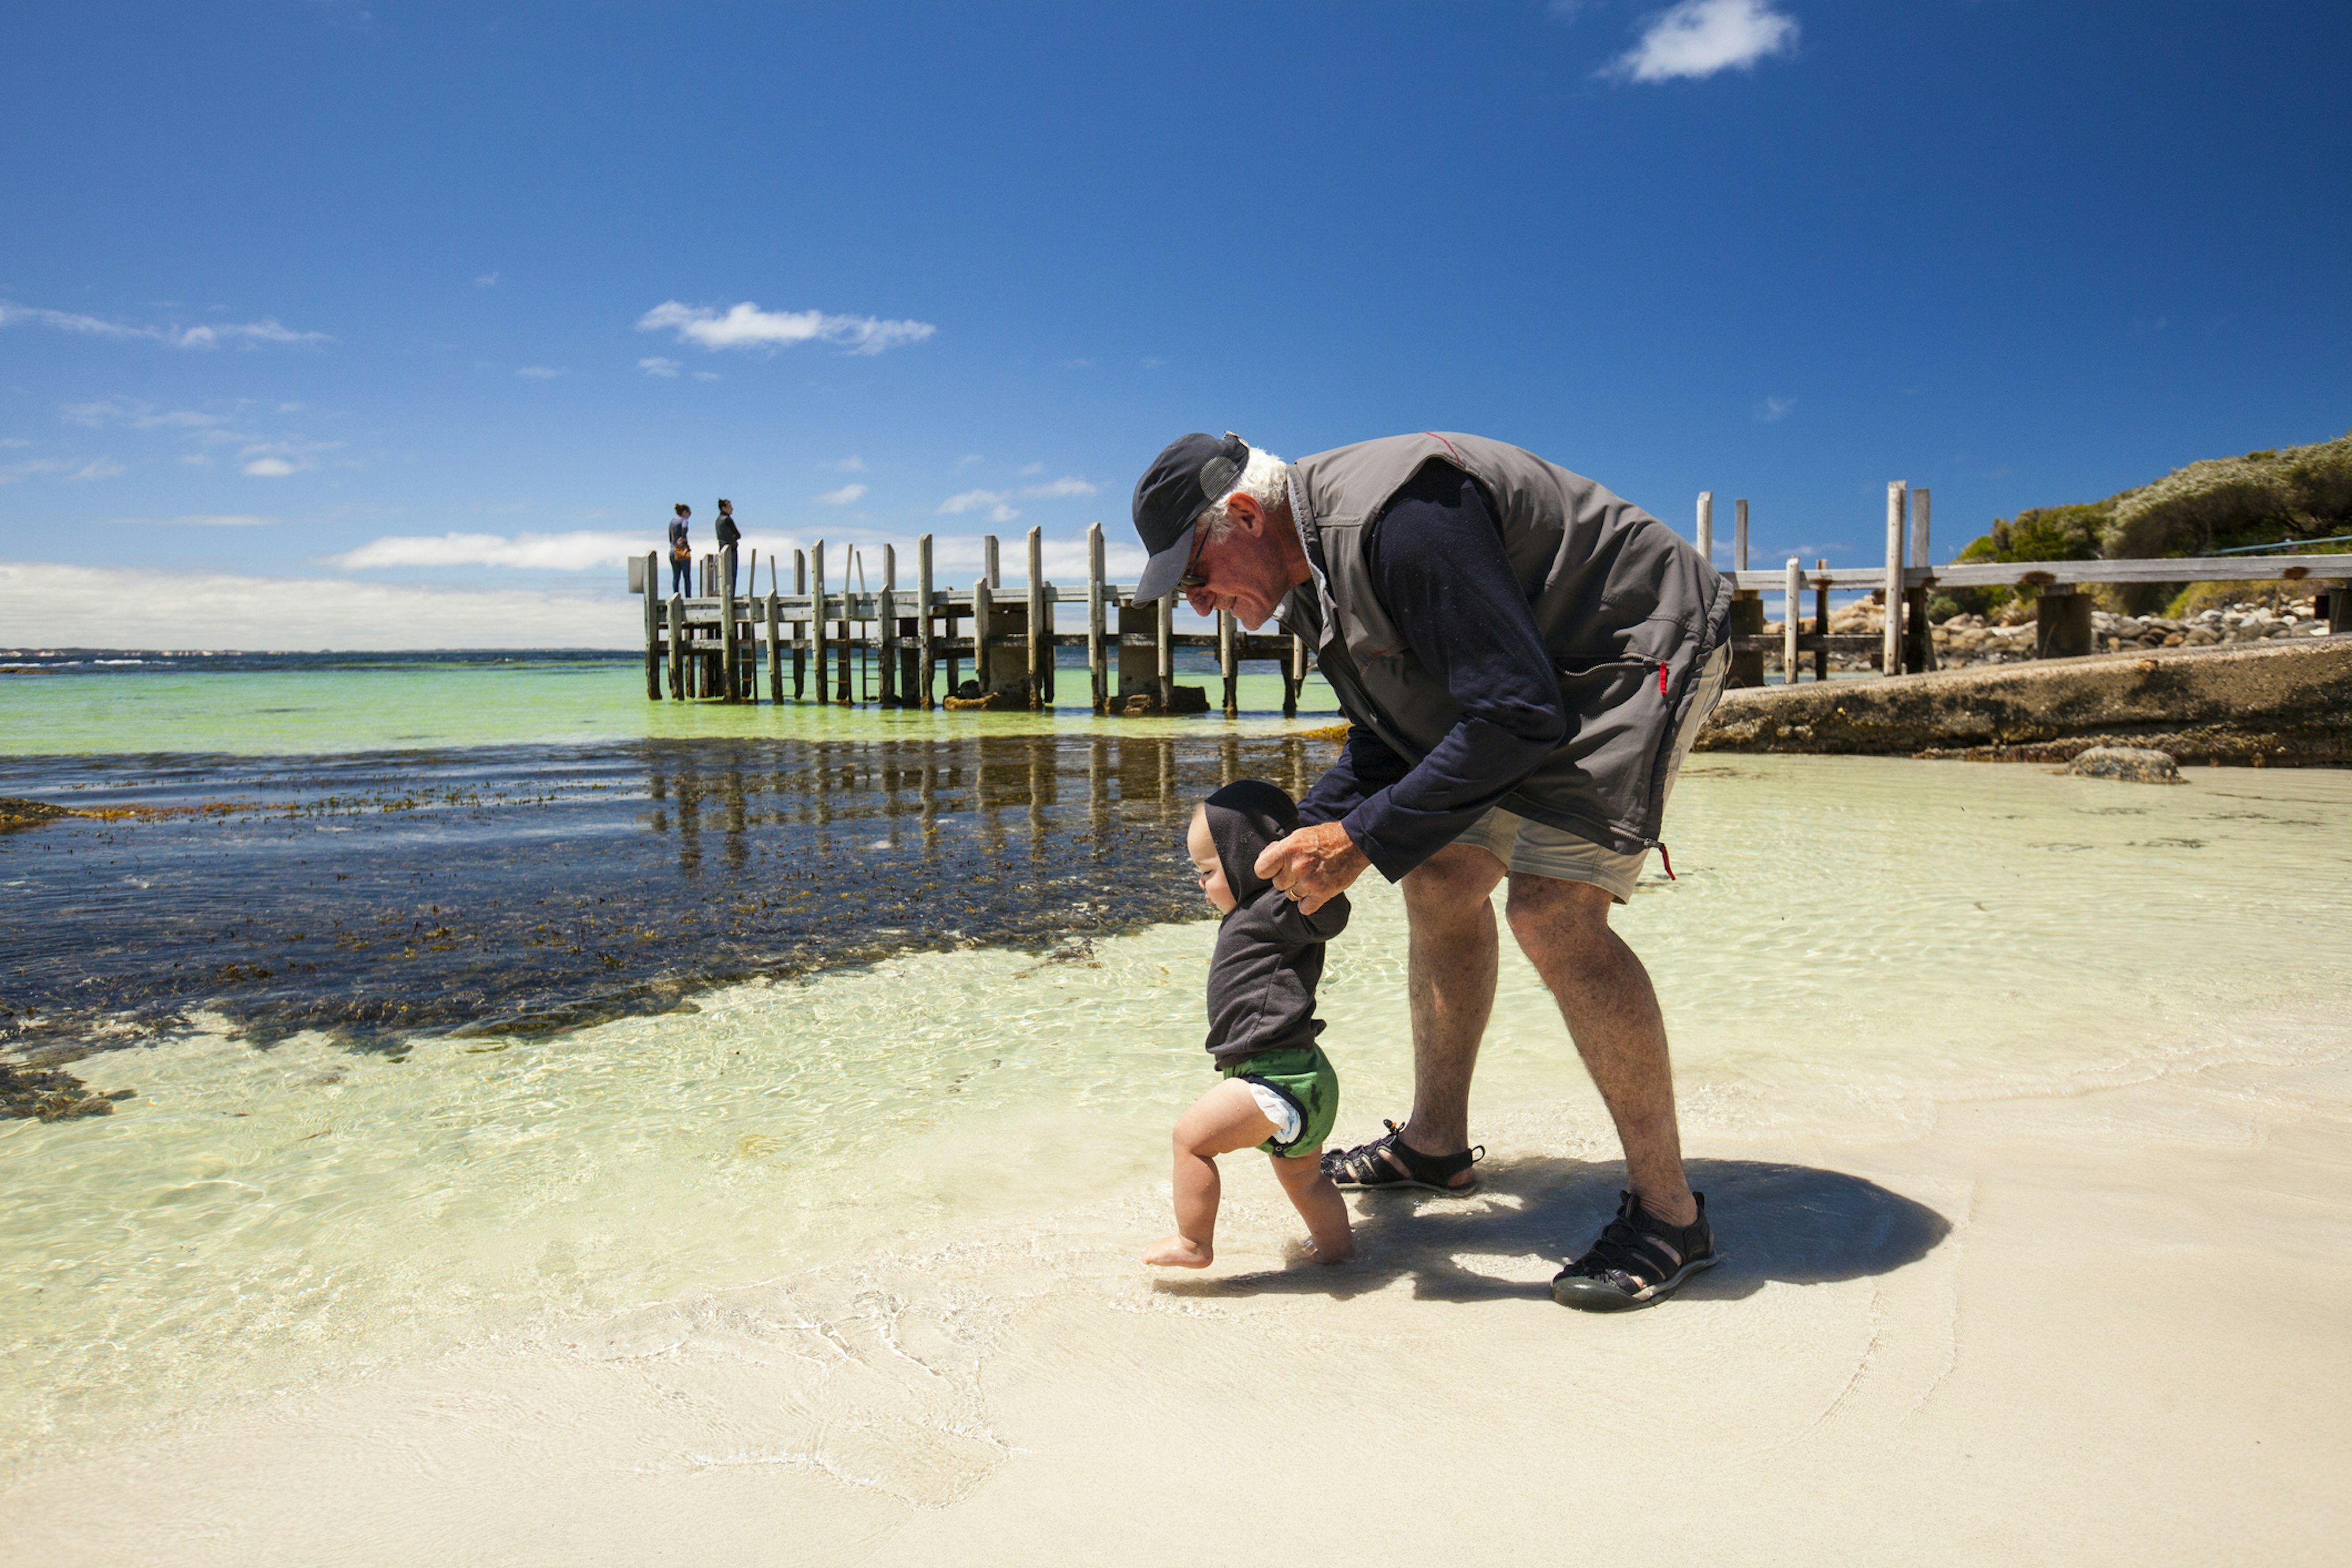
x,y
197,459
1025,469
269,468
969,499
98,469
658,366
706,376
215,519
487,281
576,551
746,326
541,372
959,557
997,501
1773,409
843,496
10,474
139,416
86,605
1696,38
851,465
268,330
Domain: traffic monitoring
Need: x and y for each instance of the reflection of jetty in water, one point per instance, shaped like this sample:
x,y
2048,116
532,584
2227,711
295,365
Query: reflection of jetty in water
x,y
527,890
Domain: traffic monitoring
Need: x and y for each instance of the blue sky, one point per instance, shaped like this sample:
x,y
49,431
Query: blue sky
x,y
443,300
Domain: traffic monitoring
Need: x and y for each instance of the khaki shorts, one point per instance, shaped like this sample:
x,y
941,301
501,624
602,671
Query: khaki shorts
x,y
1540,851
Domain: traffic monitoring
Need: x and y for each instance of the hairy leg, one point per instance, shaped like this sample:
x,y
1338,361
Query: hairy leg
x,y
1225,1118
1319,1202
1611,1009
1450,983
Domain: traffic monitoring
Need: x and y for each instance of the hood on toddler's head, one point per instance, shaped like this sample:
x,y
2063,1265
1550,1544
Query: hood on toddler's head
x,y
1244,818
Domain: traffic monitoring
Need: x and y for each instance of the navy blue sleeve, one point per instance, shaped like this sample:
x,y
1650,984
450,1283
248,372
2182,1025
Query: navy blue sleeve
x,y
1365,767
1438,564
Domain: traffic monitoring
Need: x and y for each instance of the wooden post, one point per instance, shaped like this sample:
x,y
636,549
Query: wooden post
x,y
984,602
1822,619
731,684
800,641
2339,608
1746,607
653,629
1294,678
2061,622
844,648
1891,644
1165,622
926,659
1919,636
889,608
677,648
1706,526
1095,668
988,562
816,614
1226,665
775,639
1792,600
1041,637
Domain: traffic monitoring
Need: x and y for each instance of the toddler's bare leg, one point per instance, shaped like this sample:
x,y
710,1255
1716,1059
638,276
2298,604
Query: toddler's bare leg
x,y
1225,1118
1319,1202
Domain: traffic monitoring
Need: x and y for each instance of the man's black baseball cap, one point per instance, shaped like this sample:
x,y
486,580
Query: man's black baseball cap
x,y
1192,471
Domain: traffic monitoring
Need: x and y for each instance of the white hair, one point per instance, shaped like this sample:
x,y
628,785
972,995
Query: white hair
x,y
1266,480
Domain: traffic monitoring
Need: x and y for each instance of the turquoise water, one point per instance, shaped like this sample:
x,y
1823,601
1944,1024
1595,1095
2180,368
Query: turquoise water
x,y
325,705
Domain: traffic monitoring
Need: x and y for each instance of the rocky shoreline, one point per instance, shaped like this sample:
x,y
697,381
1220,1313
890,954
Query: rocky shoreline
x,y
1969,642
2277,702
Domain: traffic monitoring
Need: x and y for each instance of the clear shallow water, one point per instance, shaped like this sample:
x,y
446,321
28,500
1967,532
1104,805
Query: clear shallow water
x,y
1850,940
379,895
96,701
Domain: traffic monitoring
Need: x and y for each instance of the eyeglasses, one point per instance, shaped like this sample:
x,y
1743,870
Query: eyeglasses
x,y
1193,578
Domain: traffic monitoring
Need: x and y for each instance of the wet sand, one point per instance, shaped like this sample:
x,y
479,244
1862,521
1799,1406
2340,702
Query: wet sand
x,y
2095,1327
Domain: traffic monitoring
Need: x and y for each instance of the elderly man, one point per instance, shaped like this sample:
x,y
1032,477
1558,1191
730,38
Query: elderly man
x,y
1523,659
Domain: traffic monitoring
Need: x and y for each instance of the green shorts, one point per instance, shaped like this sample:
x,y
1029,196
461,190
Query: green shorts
x,y
1303,1076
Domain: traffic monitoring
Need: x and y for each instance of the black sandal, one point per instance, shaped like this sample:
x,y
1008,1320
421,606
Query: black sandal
x,y
1390,1161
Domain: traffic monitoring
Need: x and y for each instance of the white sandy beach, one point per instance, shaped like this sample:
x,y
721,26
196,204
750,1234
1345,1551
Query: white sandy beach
x,y
2038,1256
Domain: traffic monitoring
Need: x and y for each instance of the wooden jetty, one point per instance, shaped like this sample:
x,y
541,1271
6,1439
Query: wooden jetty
x,y
2063,612
977,647
982,647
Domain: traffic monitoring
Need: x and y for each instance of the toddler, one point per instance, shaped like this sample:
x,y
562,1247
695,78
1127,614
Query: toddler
x,y
1277,1090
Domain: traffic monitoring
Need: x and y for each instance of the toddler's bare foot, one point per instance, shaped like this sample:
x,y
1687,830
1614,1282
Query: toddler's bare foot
x,y
1176,1252
1341,1251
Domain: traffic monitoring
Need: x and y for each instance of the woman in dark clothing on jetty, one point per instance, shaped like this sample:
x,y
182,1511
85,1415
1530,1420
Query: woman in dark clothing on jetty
x,y
681,552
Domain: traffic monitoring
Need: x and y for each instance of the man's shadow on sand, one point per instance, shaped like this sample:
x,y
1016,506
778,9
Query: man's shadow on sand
x,y
1789,1223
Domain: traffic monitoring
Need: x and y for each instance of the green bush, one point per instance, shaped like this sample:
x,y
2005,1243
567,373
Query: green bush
x,y
2297,492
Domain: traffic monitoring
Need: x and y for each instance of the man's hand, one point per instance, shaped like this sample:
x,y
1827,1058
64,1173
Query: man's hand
x,y
1313,864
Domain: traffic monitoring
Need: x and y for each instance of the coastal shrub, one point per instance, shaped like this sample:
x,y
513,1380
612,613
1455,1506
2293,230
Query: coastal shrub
x,y
2221,503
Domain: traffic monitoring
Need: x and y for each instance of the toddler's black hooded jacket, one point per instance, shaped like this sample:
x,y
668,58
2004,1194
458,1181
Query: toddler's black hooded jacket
x,y
1269,956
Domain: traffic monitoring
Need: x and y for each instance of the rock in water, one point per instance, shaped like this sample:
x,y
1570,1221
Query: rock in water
x,y
2135,764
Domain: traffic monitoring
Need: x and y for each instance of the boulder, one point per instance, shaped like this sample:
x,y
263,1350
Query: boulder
x,y
2134,764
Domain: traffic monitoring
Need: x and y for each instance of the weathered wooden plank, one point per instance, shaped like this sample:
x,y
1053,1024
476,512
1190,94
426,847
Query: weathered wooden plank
x,y
1898,506
1095,670
926,654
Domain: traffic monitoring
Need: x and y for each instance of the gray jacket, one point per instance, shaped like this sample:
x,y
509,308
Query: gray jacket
x,y
1626,607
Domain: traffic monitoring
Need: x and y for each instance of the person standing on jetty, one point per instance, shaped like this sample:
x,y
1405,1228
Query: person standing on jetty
x,y
1523,659
681,552
1278,1090
730,536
